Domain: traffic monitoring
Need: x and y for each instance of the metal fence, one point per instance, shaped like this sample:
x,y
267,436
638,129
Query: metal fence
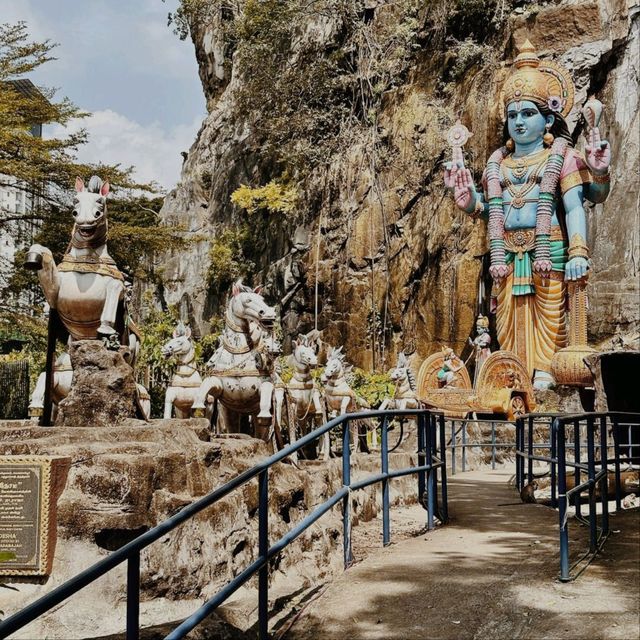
x,y
460,440
606,440
431,473
14,390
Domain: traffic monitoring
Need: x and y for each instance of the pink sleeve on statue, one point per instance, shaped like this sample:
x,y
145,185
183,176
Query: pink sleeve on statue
x,y
574,171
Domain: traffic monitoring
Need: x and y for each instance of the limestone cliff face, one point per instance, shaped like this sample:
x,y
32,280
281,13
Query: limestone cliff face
x,y
395,265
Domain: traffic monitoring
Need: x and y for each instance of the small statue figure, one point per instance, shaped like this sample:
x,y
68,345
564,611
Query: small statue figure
x,y
481,345
533,195
448,374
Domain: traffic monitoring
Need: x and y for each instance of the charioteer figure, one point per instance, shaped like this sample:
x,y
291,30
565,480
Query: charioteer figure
x,y
533,193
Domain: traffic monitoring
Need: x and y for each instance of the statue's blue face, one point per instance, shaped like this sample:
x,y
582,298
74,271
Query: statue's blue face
x,y
525,122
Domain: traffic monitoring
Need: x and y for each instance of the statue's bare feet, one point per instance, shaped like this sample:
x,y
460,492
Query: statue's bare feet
x,y
543,380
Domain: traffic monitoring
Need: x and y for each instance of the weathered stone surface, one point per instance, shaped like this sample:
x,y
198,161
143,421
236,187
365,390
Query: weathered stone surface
x,y
103,390
390,241
124,480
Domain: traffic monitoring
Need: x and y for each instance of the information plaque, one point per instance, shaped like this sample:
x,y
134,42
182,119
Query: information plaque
x,y
29,491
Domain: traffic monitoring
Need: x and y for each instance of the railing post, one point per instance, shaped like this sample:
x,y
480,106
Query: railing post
x,y
554,453
604,490
576,471
263,549
519,423
433,430
421,457
346,501
616,461
384,446
464,445
133,596
591,466
493,445
558,428
443,457
530,451
431,485
453,447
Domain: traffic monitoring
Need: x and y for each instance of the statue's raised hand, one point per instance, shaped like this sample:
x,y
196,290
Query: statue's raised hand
x,y
451,168
576,269
464,192
598,155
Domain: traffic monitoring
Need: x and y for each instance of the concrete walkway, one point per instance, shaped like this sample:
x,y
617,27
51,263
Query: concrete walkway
x,y
490,573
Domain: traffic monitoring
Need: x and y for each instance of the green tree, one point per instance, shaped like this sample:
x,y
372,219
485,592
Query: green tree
x,y
43,168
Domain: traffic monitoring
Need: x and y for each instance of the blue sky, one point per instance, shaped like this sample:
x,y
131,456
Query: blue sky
x,y
119,60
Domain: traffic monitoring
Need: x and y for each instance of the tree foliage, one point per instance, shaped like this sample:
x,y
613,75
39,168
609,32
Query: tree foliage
x,y
274,197
229,257
45,170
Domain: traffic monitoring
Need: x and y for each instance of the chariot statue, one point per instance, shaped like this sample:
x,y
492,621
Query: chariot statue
x,y
502,386
240,372
86,292
532,195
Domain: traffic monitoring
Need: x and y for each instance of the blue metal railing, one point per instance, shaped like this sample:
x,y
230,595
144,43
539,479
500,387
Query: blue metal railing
x,y
590,433
459,438
431,466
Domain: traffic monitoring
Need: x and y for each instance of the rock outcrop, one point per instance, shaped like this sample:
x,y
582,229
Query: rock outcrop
x,y
124,480
103,391
377,247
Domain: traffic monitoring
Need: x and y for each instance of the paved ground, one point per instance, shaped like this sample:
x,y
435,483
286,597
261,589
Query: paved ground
x,y
488,574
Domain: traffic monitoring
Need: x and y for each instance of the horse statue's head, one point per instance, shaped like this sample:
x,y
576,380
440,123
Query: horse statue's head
x,y
90,213
402,371
336,365
304,352
248,304
399,372
181,343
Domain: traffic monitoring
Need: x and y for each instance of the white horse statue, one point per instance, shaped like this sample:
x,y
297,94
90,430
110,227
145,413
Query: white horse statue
x,y
86,291
404,393
62,376
304,407
86,288
240,379
184,385
339,395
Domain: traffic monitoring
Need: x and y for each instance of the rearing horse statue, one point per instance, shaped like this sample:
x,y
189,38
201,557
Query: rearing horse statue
x,y
87,287
240,370
86,291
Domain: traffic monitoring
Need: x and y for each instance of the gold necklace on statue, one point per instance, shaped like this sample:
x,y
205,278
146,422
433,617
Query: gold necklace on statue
x,y
520,164
519,192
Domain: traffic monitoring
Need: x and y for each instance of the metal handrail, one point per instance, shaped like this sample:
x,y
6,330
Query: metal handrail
x,y
596,469
427,472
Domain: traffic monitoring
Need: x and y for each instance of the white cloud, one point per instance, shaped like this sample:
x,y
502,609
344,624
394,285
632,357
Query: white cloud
x,y
115,139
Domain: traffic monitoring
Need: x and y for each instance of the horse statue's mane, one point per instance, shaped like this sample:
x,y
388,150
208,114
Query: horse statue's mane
x,y
412,379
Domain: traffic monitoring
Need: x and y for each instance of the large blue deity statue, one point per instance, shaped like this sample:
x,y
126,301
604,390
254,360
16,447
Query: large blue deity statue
x,y
533,192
